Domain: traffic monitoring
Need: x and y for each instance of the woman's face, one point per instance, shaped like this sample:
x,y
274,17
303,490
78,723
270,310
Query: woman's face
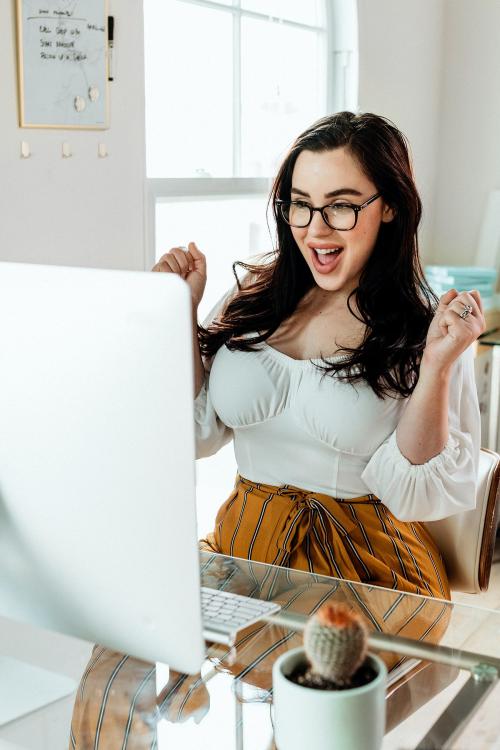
x,y
330,177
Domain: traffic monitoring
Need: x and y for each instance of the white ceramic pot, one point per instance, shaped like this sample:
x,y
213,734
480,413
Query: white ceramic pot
x,y
352,719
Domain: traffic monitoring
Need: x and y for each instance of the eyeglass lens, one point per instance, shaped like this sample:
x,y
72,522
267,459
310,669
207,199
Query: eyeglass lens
x,y
300,215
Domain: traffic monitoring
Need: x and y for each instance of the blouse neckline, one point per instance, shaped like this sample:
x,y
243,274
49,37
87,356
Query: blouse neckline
x,y
301,362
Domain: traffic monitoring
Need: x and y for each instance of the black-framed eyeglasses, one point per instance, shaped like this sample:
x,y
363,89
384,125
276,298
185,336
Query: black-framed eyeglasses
x,y
339,216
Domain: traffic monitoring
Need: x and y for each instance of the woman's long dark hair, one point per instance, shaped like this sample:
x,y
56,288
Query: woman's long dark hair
x,y
393,298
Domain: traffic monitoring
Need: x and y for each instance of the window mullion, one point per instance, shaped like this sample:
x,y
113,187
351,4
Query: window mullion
x,y
237,90
236,8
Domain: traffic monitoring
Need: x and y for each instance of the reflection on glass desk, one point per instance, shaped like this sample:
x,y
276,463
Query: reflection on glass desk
x,y
432,648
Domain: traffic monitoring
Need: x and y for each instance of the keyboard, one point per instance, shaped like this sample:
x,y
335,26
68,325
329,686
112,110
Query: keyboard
x,y
224,613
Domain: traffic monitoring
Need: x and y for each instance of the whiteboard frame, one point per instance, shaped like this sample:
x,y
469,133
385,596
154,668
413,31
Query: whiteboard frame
x,y
20,79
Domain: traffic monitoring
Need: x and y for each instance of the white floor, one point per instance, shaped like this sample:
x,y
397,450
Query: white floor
x,y
46,729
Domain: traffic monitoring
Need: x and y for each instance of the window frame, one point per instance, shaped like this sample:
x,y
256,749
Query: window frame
x,y
341,85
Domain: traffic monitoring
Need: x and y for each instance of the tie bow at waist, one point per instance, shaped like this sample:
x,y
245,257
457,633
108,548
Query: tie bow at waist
x,y
306,519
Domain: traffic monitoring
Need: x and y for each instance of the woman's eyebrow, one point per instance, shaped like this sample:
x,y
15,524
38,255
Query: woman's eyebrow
x,y
332,194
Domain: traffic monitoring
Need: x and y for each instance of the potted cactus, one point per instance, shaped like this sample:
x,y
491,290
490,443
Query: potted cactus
x,y
330,693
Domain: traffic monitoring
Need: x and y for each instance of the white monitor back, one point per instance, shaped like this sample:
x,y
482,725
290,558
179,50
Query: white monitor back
x,y
97,472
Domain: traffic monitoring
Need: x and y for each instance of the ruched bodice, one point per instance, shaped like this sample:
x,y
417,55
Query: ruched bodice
x,y
248,389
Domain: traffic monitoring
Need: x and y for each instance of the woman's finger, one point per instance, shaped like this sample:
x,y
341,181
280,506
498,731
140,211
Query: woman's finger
x,y
183,261
471,299
195,251
170,264
445,299
465,329
162,265
476,295
165,257
175,261
465,298
180,256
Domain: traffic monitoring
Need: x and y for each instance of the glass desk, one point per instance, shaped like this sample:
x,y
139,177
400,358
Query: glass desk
x,y
443,657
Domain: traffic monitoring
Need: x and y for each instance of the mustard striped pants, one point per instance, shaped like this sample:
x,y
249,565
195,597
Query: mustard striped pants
x,y
358,539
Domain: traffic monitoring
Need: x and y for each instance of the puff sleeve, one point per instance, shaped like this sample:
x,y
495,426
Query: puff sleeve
x,y
446,484
210,432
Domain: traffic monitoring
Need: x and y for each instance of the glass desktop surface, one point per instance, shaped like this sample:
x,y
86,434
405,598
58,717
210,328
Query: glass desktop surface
x,y
229,705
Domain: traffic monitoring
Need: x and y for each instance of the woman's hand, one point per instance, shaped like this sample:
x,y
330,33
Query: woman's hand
x,y
449,335
188,263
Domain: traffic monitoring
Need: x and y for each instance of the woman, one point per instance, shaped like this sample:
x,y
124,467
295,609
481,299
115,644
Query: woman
x,y
348,392
338,466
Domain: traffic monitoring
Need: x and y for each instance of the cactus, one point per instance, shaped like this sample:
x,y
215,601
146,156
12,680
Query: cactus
x,y
335,642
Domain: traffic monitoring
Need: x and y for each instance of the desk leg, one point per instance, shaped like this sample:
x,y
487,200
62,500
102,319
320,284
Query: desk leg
x,y
466,702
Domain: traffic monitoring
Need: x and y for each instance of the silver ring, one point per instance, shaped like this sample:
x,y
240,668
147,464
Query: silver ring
x,y
466,311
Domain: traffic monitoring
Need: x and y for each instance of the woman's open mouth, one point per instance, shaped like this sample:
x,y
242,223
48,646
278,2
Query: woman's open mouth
x,y
326,259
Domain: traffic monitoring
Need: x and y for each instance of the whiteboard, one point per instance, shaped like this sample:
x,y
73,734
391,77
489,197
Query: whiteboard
x,y
62,51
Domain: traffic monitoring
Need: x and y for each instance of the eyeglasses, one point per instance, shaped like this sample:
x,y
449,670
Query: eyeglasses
x,y
339,216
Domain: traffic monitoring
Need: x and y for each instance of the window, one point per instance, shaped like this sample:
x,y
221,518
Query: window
x,y
229,85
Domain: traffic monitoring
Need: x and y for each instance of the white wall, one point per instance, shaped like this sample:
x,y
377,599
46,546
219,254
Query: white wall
x,y
432,66
400,63
468,164
83,210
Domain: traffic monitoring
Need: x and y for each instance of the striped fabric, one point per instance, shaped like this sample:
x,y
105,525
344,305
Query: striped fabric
x,y
116,707
357,539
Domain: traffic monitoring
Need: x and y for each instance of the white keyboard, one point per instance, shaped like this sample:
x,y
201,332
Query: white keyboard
x,y
224,613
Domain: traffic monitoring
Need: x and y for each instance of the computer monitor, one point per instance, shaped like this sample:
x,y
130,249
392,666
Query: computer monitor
x,y
97,471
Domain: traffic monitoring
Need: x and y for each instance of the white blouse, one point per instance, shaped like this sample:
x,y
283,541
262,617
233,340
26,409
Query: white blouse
x,y
291,424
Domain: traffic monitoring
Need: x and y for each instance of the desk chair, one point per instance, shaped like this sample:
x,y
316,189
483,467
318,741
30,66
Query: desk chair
x,y
466,542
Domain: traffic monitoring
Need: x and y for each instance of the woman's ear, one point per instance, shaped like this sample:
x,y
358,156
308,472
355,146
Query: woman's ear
x,y
388,213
